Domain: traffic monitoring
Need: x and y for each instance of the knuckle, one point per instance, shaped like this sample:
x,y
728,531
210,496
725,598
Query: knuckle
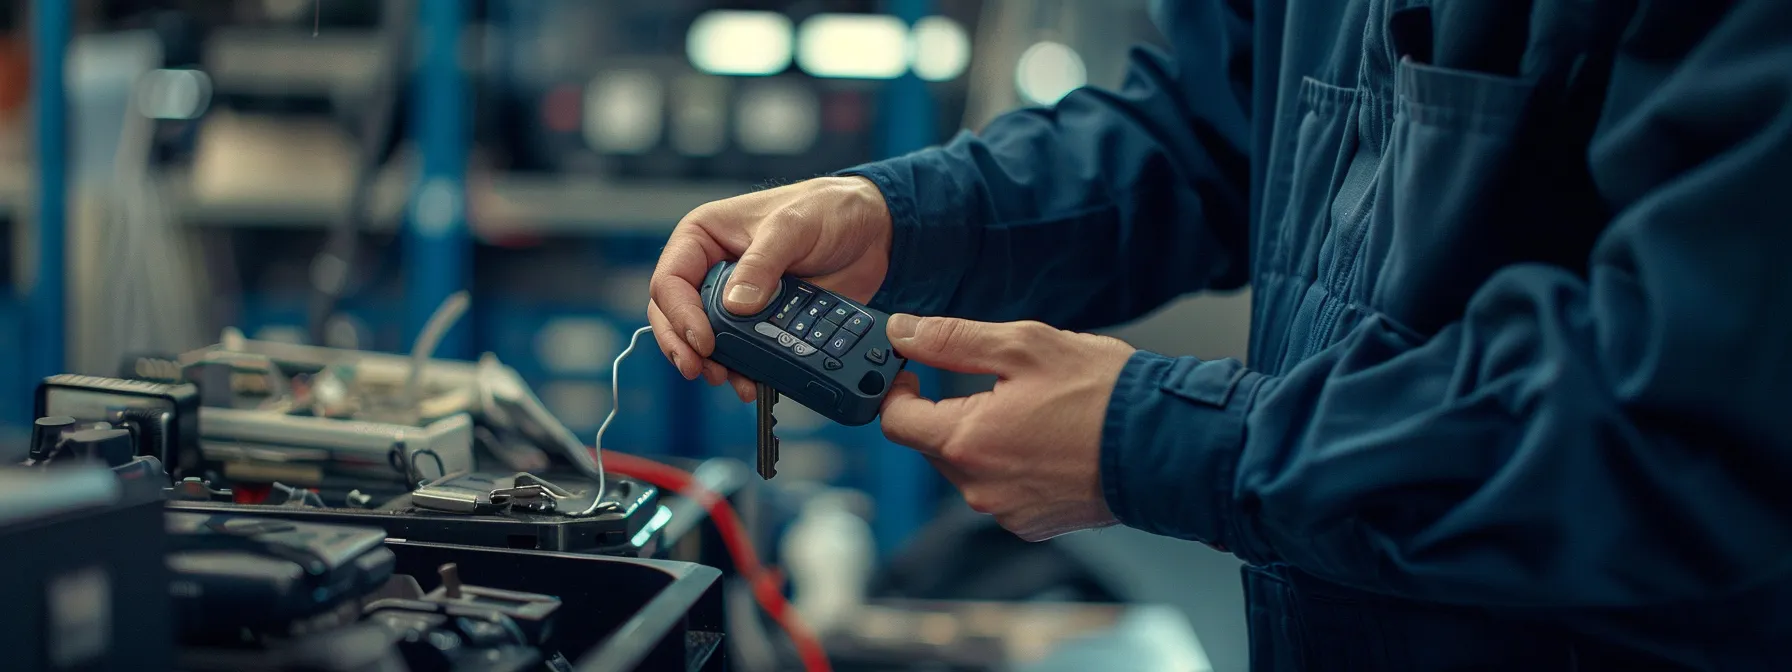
x,y
1034,330
897,432
942,333
958,453
663,287
755,261
698,216
979,500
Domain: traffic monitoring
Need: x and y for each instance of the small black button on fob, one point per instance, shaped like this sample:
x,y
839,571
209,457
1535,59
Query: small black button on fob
x,y
809,345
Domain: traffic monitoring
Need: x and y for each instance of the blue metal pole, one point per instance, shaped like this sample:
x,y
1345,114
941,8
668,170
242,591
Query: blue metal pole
x,y
436,242
900,479
46,321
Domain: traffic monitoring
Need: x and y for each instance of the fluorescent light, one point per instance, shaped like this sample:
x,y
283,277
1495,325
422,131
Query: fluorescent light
x,y
856,46
1048,71
941,50
735,42
623,112
778,118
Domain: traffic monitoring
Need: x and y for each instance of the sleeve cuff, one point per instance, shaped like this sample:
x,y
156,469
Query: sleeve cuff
x,y
1170,443
932,243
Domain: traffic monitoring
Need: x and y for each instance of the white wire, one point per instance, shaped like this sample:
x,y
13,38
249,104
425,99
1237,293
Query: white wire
x,y
434,330
615,391
597,443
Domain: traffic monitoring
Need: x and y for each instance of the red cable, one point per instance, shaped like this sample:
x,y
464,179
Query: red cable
x,y
734,535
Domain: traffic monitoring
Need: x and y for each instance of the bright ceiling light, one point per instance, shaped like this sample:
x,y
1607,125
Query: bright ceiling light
x,y
734,42
624,112
1048,71
941,50
777,118
854,46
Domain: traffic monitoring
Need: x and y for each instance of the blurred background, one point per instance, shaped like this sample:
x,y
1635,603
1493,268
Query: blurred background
x,y
328,171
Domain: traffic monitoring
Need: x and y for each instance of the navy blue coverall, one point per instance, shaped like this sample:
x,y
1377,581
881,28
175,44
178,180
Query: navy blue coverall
x,y
1522,315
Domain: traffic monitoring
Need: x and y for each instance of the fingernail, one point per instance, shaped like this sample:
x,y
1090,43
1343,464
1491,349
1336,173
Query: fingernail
x,y
678,363
743,294
902,326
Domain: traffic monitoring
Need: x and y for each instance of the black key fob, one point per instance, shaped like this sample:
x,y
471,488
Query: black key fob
x,y
825,352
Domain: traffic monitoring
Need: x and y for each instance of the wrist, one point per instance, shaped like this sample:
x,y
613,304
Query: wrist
x,y
868,209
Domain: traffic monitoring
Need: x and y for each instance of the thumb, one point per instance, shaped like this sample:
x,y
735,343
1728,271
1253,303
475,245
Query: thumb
x,y
776,245
965,346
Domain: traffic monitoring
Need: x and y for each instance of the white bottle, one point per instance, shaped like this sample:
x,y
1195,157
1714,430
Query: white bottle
x,y
828,554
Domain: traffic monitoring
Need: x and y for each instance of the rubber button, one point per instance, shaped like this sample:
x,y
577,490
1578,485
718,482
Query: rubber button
x,y
801,326
843,341
831,364
857,324
877,356
819,334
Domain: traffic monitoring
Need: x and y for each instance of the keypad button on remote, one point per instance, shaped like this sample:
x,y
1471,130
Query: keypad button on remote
x,y
801,326
819,334
842,341
831,364
859,323
823,301
839,314
802,349
815,312
767,330
877,356
789,309
786,339
781,318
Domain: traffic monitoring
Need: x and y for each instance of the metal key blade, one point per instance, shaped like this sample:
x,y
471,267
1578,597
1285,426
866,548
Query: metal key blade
x,y
768,437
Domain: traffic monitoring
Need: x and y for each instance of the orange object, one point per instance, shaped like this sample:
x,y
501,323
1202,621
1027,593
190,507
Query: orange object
x,y
15,76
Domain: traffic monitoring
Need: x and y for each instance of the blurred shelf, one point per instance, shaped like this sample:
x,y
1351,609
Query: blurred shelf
x,y
287,62
576,205
501,205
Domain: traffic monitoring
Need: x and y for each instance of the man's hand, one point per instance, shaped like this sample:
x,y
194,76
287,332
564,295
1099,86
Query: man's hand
x,y
832,231
1028,451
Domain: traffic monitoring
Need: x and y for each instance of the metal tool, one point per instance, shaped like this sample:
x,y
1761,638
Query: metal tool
x,y
768,437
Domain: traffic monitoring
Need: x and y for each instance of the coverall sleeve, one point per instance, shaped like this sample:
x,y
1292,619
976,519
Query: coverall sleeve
x,y
1619,438
1092,211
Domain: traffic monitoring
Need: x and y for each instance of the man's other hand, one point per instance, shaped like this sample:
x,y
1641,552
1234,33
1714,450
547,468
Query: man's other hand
x,y
1028,451
832,231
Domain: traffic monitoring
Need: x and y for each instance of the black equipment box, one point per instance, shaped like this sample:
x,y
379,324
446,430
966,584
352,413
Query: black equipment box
x,y
164,417
617,613
233,573
79,576
628,522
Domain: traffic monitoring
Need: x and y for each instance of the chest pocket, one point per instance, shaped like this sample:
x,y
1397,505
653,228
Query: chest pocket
x,y
1449,201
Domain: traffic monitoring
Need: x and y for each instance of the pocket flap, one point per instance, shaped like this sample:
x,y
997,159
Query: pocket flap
x,y
1206,382
1462,98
